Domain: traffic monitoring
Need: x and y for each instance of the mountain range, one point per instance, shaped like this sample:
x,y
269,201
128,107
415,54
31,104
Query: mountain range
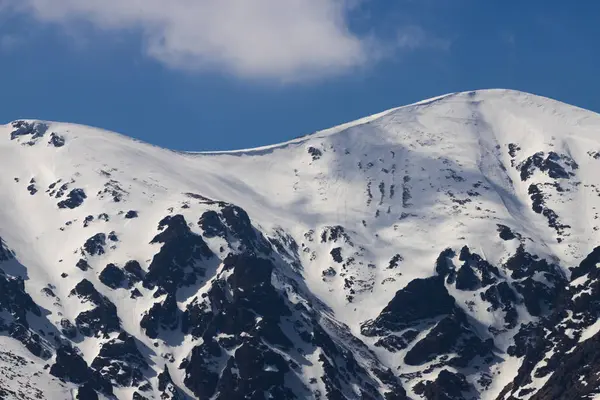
x,y
446,249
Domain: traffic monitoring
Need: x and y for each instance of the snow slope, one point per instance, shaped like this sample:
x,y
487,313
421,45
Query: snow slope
x,y
402,186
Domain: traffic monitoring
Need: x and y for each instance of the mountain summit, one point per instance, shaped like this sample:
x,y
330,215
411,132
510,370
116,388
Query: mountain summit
x,y
441,250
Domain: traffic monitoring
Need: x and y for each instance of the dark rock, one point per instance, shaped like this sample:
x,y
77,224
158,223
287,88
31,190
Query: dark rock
x,y
74,199
443,264
131,214
48,292
120,362
244,310
86,291
211,225
466,279
536,295
259,370
88,220
15,300
539,206
86,392
113,189
71,367
388,378
407,307
167,387
240,228
315,153
551,164
197,316
101,320
31,340
68,329
505,232
329,272
94,246
32,189
163,315
487,274
447,386
513,149
335,233
395,343
5,253
177,263
502,296
56,140
134,271
336,254
452,334
580,365
24,128
82,265
397,259
61,191
112,276
200,375
112,236
587,265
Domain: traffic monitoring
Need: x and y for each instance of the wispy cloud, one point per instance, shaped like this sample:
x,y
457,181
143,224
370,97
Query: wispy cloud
x,y
272,39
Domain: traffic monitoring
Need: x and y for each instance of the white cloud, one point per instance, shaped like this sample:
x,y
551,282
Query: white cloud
x,y
280,39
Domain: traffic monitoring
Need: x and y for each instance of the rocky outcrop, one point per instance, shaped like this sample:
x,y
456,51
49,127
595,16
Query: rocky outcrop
x,y
102,319
178,263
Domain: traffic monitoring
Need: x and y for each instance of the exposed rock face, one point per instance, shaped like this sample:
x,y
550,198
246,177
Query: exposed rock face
x,y
555,165
233,224
131,214
563,346
450,332
236,321
100,320
163,315
406,308
56,140
14,299
16,305
168,390
95,245
112,276
447,386
28,130
235,324
74,199
71,367
176,264
120,362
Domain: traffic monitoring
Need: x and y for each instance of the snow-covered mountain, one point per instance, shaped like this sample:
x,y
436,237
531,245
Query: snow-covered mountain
x,y
441,250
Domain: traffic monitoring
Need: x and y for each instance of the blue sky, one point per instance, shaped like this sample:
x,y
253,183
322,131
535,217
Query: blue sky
x,y
215,75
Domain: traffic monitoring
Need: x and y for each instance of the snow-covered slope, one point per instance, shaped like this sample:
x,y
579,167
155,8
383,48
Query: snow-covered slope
x,y
422,252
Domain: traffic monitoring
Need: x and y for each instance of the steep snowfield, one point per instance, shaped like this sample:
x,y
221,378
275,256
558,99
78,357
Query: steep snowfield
x,y
404,185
